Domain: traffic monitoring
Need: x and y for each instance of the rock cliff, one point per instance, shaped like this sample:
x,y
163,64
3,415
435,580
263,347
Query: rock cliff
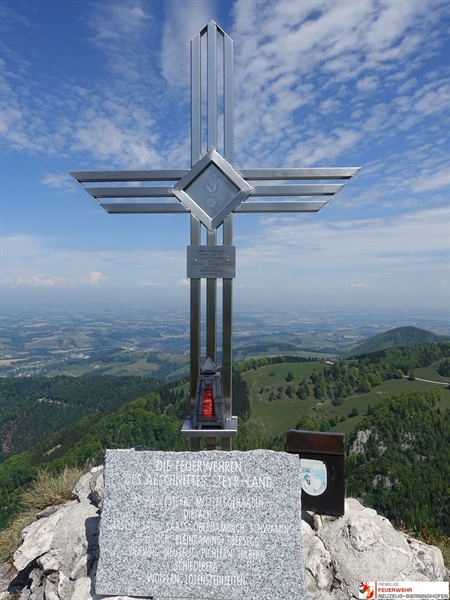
x,y
58,557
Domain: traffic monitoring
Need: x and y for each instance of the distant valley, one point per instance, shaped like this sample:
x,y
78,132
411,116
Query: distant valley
x,y
81,342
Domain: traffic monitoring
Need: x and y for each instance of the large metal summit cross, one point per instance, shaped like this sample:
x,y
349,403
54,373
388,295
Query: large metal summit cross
x,y
212,191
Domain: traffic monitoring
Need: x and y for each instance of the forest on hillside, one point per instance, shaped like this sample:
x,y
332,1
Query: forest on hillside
x,y
403,470
120,413
152,419
32,408
400,337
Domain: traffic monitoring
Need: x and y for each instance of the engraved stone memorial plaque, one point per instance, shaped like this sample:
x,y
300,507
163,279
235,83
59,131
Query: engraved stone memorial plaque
x,y
211,261
210,525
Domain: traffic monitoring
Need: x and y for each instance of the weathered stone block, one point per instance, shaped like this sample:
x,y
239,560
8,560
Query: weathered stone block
x,y
208,525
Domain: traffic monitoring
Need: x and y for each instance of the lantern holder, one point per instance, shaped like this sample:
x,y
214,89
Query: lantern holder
x,y
208,417
230,430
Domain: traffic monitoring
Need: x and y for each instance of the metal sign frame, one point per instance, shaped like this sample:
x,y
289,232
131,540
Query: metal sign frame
x,y
327,449
217,208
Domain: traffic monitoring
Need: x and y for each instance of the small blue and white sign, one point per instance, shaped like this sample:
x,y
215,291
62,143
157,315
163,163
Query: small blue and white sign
x,y
314,476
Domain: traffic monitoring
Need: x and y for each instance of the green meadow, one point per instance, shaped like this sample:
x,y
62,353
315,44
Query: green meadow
x,y
276,416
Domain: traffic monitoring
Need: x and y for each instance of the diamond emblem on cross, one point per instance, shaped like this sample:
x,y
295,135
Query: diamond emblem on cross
x,y
212,189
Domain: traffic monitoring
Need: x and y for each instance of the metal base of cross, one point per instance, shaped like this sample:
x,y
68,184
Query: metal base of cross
x,y
211,435
230,430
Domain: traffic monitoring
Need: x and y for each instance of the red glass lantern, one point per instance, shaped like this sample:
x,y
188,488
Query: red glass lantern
x,y
209,400
208,403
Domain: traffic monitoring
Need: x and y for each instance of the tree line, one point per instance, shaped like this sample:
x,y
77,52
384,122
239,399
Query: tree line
x,y
350,377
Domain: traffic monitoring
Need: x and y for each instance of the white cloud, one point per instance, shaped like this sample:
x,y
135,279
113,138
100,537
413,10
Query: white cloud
x,y
118,29
150,284
111,120
118,21
361,45
429,180
43,280
183,20
39,280
20,247
361,285
94,278
323,148
415,242
60,181
369,83
24,259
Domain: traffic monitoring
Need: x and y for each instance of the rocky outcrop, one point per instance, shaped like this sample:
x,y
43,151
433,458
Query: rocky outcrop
x,y
359,444
362,546
58,557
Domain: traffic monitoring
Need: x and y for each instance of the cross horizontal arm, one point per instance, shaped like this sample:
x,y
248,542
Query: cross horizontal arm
x,y
130,208
299,174
281,207
148,191
301,189
126,176
172,206
153,191
176,174
142,208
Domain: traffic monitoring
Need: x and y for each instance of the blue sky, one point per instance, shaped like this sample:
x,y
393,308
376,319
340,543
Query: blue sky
x,y
93,85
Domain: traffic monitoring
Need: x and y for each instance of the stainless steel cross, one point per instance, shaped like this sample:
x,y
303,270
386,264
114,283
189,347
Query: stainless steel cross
x,y
212,191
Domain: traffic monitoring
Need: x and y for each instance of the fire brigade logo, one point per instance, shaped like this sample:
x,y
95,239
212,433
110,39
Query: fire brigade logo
x,y
211,185
367,590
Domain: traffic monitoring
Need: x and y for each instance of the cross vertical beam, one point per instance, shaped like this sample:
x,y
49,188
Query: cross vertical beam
x,y
195,237
211,137
227,284
211,81
213,37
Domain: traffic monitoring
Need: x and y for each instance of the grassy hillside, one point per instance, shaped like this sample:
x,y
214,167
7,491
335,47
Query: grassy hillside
x,y
405,469
277,416
270,408
395,338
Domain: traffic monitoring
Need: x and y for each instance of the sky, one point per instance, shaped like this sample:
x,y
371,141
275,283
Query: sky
x,y
104,84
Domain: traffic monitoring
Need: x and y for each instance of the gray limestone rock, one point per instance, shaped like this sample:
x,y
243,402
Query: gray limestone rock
x,y
48,511
60,548
363,546
37,540
59,553
5,578
359,445
97,486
